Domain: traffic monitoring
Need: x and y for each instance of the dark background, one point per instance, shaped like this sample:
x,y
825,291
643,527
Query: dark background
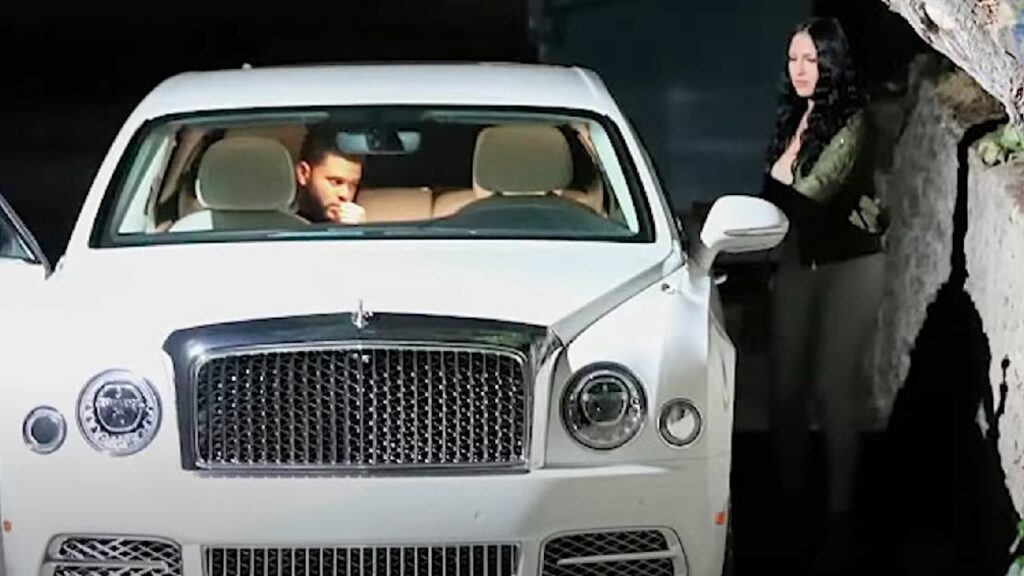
x,y
698,79
72,74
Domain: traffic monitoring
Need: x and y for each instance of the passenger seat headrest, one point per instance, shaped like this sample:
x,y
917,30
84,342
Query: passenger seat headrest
x,y
246,174
521,159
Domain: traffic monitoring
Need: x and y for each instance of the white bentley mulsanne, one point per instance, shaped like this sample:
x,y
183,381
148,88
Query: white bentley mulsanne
x,y
515,365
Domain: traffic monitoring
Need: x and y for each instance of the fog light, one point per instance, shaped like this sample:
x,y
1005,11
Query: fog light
x,y
44,430
680,423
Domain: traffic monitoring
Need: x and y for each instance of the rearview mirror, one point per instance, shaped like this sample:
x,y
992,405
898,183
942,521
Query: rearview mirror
x,y
737,224
378,141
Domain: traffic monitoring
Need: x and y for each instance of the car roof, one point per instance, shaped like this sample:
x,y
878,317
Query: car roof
x,y
491,84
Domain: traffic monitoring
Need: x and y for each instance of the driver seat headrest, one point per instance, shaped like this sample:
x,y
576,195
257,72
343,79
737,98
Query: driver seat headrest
x,y
521,159
246,174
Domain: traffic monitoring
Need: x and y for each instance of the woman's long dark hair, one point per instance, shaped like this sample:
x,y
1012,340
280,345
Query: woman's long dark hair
x,y
837,95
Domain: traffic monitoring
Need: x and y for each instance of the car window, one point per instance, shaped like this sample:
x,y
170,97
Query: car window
x,y
11,244
370,173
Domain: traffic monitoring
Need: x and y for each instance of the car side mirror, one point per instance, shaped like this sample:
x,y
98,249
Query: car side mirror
x,y
737,224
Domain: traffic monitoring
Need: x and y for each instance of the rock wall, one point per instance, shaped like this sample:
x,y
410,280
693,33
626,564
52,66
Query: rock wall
x,y
995,265
919,184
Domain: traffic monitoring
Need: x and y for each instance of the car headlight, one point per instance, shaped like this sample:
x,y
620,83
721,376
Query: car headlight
x,y
604,406
119,412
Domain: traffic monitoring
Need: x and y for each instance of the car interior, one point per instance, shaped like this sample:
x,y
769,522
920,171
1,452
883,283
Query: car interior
x,y
242,177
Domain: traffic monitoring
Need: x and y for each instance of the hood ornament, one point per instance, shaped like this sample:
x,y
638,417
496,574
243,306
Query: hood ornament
x,y
361,317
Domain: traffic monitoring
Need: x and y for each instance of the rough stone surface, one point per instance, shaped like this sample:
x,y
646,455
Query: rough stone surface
x,y
920,191
995,253
976,35
919,184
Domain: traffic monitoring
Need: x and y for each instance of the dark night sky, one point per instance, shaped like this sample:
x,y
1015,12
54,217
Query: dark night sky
x,y
71,75
697,79
109,57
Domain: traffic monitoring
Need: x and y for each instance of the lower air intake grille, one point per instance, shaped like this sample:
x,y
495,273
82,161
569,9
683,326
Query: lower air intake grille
x,y
494,560
622,553
113,556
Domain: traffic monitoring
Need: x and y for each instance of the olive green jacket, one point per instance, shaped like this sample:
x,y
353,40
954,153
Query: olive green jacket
x,y
831,204
834,164
833,174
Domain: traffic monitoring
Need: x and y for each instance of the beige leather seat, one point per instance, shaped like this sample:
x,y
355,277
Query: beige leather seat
x,y
396,204
589,198
289,135
517,159
243,183
451,201
521,159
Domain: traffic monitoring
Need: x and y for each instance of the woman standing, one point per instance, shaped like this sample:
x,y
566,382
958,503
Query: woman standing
x,y
828,283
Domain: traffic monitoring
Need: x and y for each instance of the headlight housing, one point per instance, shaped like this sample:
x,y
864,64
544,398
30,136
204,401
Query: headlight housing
x,y
119,412
604,406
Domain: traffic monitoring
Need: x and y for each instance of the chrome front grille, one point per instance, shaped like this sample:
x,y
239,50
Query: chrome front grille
x,y
619,553
112,556
361,406
483,560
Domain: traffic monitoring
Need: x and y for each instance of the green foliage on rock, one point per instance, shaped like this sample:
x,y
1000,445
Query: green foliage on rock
x,y
1006,144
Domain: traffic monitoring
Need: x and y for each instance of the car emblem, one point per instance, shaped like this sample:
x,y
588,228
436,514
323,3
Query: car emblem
x,y
361,317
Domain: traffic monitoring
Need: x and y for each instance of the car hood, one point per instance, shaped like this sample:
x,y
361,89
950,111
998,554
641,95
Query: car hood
x,y
562,285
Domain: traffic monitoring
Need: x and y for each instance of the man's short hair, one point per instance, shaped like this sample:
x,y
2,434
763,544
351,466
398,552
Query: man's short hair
x,y
321,141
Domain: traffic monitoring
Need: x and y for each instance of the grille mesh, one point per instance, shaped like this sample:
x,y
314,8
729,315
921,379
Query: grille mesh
x,y
582,546
495,560
660,567
361,407
115,556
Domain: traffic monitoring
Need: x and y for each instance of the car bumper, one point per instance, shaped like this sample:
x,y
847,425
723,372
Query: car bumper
x,y
198,511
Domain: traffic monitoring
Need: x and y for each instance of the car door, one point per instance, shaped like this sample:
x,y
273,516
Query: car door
x,y
23,266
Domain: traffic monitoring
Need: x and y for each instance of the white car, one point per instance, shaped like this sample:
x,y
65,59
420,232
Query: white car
x,y
515,365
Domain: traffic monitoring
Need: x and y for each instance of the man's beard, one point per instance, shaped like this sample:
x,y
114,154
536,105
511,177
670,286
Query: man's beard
x,y
309,208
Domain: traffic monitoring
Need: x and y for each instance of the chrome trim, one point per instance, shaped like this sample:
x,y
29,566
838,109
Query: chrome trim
x,y
361,317
514,548
759,231
52,560
33,416
356,345
681,563
583,560
549,353
186,348
53,548
365,545
54,564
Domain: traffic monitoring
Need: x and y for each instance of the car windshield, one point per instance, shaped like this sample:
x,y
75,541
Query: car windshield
x,y
375,172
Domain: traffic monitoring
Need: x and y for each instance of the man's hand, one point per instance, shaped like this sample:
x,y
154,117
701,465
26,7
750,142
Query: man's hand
x,y
347,213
